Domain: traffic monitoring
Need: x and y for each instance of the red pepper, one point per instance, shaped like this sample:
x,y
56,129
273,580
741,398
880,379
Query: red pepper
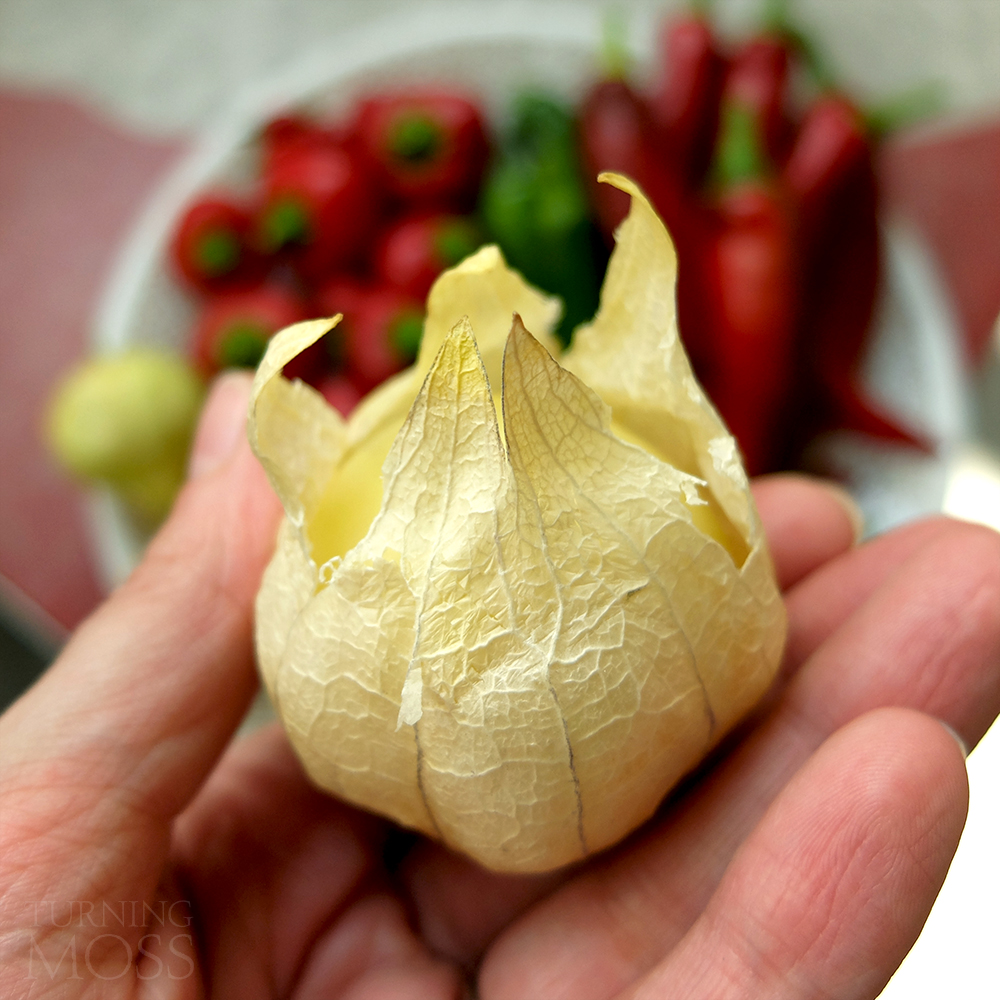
x,y
414,250
617,133
830,148
320,207
758,80
380,331
830,174
211,247
234,328
685,102
340,392
284,131
750,279
426,147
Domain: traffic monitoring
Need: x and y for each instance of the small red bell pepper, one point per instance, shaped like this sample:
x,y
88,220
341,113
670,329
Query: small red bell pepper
x,y
426,147
380,331
211,248
320,207
234,328
414,250
685,101
284,131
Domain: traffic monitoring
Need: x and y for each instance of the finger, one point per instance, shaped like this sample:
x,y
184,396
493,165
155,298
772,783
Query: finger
x,y
831,889
122,730
269,863
807,522
817,606
927,638
168,949
459,906
371,953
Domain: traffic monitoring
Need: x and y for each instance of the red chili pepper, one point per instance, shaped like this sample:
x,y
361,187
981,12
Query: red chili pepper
x,y
616,133
685,102
414,250
831,176
426,147
758,80
831,146
340,392
234,328
380,331
211,247
320,207
750,277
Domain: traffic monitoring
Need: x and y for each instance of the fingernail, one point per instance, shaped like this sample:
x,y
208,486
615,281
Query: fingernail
x,y
958,739
850,506
222,425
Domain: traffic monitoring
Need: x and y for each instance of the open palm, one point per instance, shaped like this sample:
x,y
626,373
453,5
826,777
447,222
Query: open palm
x,y
140,856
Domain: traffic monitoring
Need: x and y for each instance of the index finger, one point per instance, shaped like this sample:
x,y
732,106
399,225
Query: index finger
x,y
115,739
807,522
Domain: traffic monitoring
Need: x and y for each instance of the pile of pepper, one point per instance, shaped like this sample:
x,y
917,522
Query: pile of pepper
x,y
357,218
773,207
771,201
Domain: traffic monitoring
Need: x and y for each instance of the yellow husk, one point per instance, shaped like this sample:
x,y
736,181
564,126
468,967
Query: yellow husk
x,y
524,633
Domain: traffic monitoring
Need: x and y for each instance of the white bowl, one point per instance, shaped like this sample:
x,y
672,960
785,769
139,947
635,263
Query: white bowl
x,y
494,51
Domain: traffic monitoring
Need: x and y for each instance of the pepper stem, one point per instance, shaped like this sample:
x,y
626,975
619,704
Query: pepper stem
x,y
218,252
615,58
243,346
739,153
455,241
284,222
415,138
922,101
777,19
405,334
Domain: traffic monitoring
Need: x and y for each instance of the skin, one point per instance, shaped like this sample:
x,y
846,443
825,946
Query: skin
x,y
800,862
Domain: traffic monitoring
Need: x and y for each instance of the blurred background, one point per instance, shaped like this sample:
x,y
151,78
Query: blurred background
x,y
101,101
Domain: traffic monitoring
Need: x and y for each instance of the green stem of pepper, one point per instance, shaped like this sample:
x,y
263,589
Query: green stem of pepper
x,y
218,252
285,222
907,108
415,138
739,153
615,57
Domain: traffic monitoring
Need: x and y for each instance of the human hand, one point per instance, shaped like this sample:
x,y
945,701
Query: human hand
x,y
142,858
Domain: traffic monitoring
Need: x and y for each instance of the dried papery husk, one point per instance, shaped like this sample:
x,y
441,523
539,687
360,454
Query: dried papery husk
x,y
529,628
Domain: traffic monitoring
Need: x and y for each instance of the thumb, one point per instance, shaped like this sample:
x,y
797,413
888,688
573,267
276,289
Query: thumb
x,y
121,731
